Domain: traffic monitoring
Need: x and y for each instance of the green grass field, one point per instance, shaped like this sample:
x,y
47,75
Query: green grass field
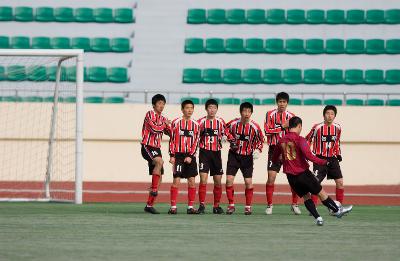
x,y
51,231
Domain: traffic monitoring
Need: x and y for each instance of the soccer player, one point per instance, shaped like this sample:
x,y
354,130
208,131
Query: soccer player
x,y
182,150
212,131
154,125
325,140
294,152
275,126
247,146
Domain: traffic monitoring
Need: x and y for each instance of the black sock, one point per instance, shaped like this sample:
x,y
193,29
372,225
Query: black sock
x,y
329,203
311,208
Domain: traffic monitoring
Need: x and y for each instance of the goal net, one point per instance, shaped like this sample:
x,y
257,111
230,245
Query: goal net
x,y
41,125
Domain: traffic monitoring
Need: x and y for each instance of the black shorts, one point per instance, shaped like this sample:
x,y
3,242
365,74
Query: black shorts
x,y
184,170
332,171
273,166
210,161
304,183
149,153
242,162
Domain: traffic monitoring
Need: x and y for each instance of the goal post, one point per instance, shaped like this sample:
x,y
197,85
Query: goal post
x,y
41,118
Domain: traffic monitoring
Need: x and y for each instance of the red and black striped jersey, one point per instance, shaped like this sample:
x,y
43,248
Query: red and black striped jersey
x,y
273,125
248,137
325,139
185,136
154,126
211,133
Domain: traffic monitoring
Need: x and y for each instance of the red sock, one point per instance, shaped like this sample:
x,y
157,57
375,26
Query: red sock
x,y
150,200
294,197
202,193
154,182
249,196
269,191
340,195
191,196
217,195
174,195
229,193
314,198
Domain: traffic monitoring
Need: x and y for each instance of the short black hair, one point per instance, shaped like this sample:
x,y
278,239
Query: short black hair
x,y
211,102
246,105
294,122
282,96
158,97
186,102
330,107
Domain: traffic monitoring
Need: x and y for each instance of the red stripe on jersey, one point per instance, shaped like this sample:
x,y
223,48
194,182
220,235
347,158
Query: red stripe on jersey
x,y
154,125
184,137
325,140
272,125
211,133
248,137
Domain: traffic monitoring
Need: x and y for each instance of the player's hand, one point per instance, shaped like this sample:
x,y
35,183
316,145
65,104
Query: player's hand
x,y
339,157
188,160
172,160
256,154
285,125
168,122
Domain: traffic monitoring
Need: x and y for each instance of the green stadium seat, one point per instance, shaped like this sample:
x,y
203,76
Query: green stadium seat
x,y
333,76
20,42
41,42
69,99
254,45
81,43
294,46
3,76
336,102
374,102
272,76
375,16
355,16
215,45
93,99
10,99
234,101
6,13
44,14
274,45
52,71
51,99
234,45
355,46
334,46
195,100
97,74
354,76
316,16
121,45
375,46
232,76
100,44
114,100
16,73
392,76
252,76
204,100
314,46
354,102
36,73
254,101
393,46
393,102
23,14
268,101
192,75
335,16
392,16
212,75
84,15
71,74
276,16
256,16
295,101
117,74
32,99
60,43
216,16
4,42
374,77
236,16
313,76
194,45
296,16
292,76
124,15
196,16
103,15
312,101
64,14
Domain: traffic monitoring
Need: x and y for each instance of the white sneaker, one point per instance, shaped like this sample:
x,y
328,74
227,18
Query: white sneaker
x,y
319,221
268,210
295,209
343,211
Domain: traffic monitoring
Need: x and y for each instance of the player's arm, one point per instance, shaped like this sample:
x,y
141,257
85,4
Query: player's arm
x,y
167,127
196,139
337,146
269,126
153,126
227,133
310,135
259,139
305,149
172,142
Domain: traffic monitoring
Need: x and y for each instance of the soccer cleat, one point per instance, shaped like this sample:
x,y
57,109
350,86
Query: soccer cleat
x,y
319,221
173,211
191,211
230,210
218,210
201,209
150,210
153,193
268,210
247,210
343,211
295,209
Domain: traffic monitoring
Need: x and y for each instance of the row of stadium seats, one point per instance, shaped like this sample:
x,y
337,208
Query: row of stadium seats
x,y
98,44
292,46
42,73
293,16
296,101
291,76
66,14
72,99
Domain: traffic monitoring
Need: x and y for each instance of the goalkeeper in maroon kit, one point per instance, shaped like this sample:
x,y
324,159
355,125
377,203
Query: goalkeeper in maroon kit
x,y
293,151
